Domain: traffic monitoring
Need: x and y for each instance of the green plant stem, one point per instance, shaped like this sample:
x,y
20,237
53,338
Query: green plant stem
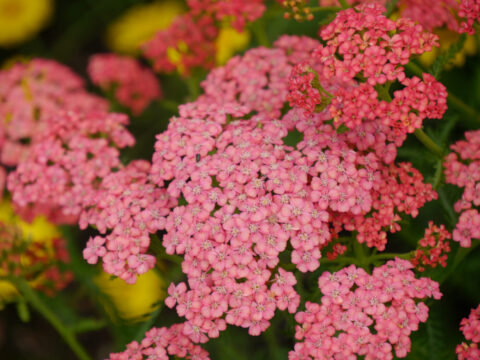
x,y
390,7
388,256
39,305
320,9
169,105
415,69
343,4
447,207
461,106
360,256
429,143
438,176
193,87
258,30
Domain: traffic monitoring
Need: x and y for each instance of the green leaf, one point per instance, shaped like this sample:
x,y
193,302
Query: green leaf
x,y
432,342
444,58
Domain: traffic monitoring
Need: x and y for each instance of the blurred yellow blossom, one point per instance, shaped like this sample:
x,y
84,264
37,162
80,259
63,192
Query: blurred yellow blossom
x,y
35,248
133,301
139,24
21,19
39,230
448,38
230,41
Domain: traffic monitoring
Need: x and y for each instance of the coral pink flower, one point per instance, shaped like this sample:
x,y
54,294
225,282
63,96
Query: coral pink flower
x,y
134,86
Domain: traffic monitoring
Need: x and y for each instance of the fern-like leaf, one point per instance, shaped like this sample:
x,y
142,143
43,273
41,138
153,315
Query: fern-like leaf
x,y
444,58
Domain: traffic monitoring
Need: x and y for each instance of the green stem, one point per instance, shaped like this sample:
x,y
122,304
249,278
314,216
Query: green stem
x,y
388,256
437,178
344,4
193,87
429,143
272,343
391,7
415,69
169,105
362,258
447,207
320,9
38,304
258,30
461,106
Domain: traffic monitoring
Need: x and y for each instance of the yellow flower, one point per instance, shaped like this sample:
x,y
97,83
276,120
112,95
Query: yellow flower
x,y
21,19
39,231
136,301
447,38
230,41
139,24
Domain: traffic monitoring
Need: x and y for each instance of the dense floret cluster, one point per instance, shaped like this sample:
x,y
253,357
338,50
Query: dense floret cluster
x,y
470,328
462,168
133,85
364,315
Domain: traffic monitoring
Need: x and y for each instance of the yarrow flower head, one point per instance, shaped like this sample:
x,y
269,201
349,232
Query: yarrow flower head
x,y
129,208
63,166
364,315
258,79
163,344
433,248
238,12
133,85
363,42
471,330
462,168
431,14
32,92
470,11
188,43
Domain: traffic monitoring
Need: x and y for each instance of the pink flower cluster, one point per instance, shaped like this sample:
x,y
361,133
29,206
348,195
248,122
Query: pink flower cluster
x,y
161,344
462,168
239,12
364,315
363,42
188,43
470,11
433,248
304,88
399,189
259,78
367,204
133,208
244,197
134,86
471,330
32,92
431,14
63,167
